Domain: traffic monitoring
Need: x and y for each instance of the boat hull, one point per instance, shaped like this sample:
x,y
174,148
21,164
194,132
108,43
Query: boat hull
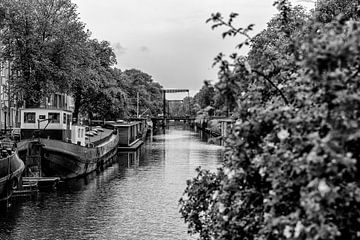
x,y
11,169
67,160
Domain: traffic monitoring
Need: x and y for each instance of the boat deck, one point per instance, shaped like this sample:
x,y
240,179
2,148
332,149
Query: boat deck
x,y
99,136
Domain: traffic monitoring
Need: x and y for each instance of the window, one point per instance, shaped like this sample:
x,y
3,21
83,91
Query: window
x,y
29,117
78,132
55,117
2,70
64,122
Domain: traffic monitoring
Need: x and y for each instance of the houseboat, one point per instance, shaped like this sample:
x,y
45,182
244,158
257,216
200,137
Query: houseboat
x,y
132,133
51,146
11,169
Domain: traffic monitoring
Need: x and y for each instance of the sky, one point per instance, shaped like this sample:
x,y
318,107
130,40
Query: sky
x,y
169,39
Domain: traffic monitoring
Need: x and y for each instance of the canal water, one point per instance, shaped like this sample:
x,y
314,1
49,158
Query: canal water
x,y
135,198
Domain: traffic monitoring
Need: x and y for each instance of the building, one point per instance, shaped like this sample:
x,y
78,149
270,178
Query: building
x,y
9,116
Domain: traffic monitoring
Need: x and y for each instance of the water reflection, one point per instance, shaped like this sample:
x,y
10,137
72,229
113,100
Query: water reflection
x,y
135,198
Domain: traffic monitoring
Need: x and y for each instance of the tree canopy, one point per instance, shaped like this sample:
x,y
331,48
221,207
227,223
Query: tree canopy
x,y
50,52
42,39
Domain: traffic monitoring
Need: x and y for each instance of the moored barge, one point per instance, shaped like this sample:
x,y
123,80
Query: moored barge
x,y
11,169
51,146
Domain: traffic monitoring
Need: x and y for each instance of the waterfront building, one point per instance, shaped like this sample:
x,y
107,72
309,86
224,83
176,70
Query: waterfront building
x,y
9,116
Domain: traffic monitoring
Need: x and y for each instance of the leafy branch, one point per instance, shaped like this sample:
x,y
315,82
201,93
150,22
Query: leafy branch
x,y
218,20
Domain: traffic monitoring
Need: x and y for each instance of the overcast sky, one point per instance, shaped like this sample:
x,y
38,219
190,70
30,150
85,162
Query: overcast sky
x,y
169,39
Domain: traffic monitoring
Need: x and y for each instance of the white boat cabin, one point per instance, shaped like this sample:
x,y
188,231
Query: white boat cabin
x,y
52,123
78,134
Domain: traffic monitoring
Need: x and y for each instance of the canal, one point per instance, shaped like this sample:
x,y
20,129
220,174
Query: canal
x,y
135,198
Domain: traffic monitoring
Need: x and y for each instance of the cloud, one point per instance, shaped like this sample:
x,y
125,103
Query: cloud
x,y
119,48
144,49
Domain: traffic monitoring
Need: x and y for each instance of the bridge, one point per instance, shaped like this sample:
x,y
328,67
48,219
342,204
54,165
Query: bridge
x,y
165,91
166,116
174,118
163,122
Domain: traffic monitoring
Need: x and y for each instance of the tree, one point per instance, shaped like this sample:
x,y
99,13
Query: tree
x,y
96,85
138,82
291,163
42,39
205,96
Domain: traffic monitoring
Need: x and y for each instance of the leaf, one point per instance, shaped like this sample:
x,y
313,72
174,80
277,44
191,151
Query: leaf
x,y
233,15
215,26
239,46
233,55
250,27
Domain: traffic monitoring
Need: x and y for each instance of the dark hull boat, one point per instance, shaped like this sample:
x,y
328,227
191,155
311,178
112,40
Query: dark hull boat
x,y
52,146
11,169
67,160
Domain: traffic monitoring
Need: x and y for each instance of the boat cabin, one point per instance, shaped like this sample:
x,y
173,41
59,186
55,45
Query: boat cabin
x,y
78,134
129,132
46,123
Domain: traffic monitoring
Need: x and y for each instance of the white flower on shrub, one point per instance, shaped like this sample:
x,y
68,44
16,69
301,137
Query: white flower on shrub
x,y
287,231
283,134
230,173
298,228
221,207
323,188
215,195
262,171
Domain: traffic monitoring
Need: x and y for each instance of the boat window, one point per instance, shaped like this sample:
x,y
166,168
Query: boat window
x,y
64,121
78,132
55,117
69,119
29,117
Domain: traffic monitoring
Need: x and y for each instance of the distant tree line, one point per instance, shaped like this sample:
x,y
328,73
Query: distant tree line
x,y
292,161
50,51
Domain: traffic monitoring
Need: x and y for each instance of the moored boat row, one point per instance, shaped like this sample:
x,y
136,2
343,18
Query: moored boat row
x,y
51,147
48,147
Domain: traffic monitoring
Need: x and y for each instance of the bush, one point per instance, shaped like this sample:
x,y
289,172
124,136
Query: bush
x,y
291,164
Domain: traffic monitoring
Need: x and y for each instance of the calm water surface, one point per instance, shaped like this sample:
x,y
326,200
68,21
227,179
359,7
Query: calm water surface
x,y
135,198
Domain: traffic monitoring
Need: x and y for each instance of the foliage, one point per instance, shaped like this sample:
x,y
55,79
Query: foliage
x,y
205,95
42,39
291,164
50,52
137,82
96,86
